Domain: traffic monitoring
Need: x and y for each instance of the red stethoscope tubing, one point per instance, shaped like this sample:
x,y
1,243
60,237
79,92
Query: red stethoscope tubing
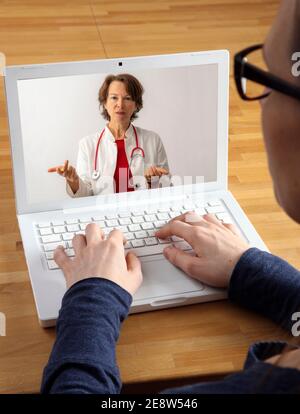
x,y
137,147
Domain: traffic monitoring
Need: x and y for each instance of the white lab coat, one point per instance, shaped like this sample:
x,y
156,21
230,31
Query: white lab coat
x,y
151,143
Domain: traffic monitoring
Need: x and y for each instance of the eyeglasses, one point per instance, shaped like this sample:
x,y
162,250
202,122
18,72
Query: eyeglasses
x,y
246,69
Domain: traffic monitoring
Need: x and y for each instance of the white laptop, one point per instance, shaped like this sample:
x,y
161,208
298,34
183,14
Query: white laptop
x,y
52,106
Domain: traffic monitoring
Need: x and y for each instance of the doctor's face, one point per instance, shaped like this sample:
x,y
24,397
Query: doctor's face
x,y
280,113
119,104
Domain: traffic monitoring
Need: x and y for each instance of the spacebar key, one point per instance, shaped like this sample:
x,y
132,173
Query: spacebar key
x,y
150,250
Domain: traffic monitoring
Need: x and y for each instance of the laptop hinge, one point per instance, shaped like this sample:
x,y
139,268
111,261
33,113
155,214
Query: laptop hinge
x,y
127,205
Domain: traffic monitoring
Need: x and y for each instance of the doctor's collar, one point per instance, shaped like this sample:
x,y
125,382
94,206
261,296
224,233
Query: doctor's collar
x,y
128,134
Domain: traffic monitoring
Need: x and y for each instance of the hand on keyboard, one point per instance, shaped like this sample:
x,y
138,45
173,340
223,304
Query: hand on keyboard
x,y
96,257
218,247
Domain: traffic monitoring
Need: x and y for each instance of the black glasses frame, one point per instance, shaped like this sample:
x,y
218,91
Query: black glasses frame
x,y
243,69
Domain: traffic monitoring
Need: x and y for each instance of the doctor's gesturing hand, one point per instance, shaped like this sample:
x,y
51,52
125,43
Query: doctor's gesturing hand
x,y
154,171
96,257
218,247
69,173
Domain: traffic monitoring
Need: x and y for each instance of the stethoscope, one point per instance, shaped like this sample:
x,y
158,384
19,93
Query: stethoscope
x,y
96,173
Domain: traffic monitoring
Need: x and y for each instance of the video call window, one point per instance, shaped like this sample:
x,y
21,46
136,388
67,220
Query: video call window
x,y
94,134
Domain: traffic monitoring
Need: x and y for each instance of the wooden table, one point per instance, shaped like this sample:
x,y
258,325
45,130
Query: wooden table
x,y
206,340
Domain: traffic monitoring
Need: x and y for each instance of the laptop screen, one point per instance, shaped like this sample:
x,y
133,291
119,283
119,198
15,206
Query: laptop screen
x,y
175,132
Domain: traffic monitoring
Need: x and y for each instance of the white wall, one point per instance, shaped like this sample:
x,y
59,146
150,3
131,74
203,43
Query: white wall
x,y
180,104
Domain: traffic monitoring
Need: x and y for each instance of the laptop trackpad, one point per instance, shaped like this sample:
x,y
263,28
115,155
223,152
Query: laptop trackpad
x,y
161,278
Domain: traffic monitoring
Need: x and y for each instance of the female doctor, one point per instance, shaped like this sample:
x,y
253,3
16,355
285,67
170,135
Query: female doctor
x,y
121,157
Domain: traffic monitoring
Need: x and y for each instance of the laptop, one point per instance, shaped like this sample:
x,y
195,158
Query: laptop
x,y
51,107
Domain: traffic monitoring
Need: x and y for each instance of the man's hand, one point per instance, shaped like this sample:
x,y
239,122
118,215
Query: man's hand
x,y
218,247
96,257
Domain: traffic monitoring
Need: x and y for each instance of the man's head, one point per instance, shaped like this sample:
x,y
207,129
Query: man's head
x,y
281,113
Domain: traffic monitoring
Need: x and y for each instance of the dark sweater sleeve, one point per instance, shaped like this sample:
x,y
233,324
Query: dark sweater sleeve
x,y
83,357
266,284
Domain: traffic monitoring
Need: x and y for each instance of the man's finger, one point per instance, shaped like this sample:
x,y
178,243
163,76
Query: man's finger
x,y
79,243
133,263
193,266
93,233
116,236
194,219
181,259
233,228
52,169
212,219
60,257
176,228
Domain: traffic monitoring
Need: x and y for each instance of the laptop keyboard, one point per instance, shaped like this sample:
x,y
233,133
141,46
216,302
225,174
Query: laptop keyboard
x,y
139,227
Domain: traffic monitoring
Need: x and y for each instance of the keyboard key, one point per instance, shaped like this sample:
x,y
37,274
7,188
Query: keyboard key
x,y
85,220
136,213
51,238
46,231
151,210
125,221
150,241
174,214
134,227
215,209
73,227
49,255
52,246
200,210
139,219
68,236
200,203
159,224
164,209
110,216
150,217
176,208
72,221
183,245
164,241
111,223
214,203
176,238
185,210
59,229
147,226
189,206
137,243
225,217
163,216
58,223
123,229
140,234
129,236
124,214
100,223
52,265
44,224
98,218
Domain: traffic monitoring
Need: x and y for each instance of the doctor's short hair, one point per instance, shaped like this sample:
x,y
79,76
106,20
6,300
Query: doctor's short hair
x,y
133,87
